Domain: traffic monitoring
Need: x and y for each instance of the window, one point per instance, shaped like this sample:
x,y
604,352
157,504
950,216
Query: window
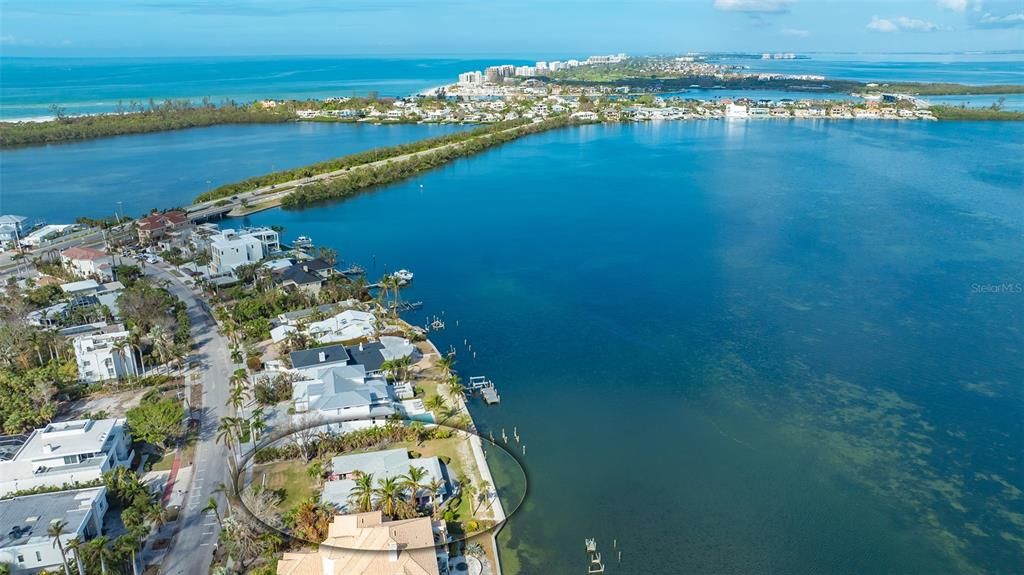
x,y
21,558
39,556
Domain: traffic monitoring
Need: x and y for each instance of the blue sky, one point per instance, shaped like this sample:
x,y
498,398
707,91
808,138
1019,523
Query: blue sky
x,y
527,28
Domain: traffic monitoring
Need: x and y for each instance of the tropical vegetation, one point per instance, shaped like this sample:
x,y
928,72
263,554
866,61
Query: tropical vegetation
x,y
137,118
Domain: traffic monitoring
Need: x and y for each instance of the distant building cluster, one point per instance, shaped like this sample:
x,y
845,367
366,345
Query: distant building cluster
x,y
496,74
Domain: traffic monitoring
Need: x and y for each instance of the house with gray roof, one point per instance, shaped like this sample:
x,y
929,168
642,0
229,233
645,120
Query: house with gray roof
x,y
343,393
25,544
319,357
346,469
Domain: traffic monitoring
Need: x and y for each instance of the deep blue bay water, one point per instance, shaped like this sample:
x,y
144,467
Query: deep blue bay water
x,y
733,347
61,182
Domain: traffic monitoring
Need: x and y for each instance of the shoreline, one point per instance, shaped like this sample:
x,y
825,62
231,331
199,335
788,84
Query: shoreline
x,y
476,446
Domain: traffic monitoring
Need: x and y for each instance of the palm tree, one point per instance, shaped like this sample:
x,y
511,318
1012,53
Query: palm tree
x,y
163,343
56,530
98,551
468,490
257,423
446,364
454,386
436,403
212,505
414,482
388,494
362,493
403,366
119,348
484,495
435,487
227,432
76,547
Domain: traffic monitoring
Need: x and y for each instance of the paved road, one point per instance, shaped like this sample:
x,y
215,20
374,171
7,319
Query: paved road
x,y
192,548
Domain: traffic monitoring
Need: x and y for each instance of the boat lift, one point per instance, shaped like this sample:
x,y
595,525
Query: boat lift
x,y
485,388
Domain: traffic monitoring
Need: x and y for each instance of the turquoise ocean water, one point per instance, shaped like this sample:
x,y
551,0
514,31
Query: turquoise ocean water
x,y
94,85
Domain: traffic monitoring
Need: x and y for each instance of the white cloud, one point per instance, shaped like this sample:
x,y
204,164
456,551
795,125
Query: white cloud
x,y
797,32
754,6
989,20
954,5
882,25
900,23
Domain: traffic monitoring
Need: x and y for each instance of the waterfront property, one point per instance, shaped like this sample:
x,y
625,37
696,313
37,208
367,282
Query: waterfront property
x,y
64,453
389,463
342,393
365,543
159,225
26,545
230,248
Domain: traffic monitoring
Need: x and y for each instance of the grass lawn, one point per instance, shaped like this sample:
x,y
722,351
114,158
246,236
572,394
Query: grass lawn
x,y
288,475
164,462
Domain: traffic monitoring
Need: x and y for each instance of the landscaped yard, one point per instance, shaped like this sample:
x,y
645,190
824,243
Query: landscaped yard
x,y
291,476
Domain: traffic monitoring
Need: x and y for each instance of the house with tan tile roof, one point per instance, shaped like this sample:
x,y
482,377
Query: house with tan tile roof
x,y
88,262
365,544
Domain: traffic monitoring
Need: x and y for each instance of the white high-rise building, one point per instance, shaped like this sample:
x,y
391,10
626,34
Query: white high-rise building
x,y
475,77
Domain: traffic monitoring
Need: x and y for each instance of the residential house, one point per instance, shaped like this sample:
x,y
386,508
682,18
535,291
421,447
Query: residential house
x,y
46,233
11,229
100,356
81,287
365,544
65,453
157,225
88,262
298,277
230,248
325,356
341,394
25,543
348,325
372,355
389,463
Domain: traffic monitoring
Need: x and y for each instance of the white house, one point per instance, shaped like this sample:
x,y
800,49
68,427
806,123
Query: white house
x,y
230,248
25,544
99,357
64,453
342,394
88,262
346,326
11,229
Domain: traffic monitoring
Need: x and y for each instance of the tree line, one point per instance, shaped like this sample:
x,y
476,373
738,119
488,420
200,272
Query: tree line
x,y
393,171
352,160
138,119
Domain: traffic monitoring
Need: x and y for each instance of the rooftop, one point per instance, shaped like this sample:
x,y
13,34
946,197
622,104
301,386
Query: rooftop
x,y
83,253
69,438
305,358
402,547
26,519
78,286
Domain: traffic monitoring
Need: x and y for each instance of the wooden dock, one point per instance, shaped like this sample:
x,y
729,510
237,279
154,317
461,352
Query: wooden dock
x,y
485,388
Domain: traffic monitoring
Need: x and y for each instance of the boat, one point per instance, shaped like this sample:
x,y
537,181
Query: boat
x,y
404,276
302,242
352,270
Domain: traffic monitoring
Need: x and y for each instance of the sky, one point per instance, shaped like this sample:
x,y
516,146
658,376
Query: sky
x,y
525,28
